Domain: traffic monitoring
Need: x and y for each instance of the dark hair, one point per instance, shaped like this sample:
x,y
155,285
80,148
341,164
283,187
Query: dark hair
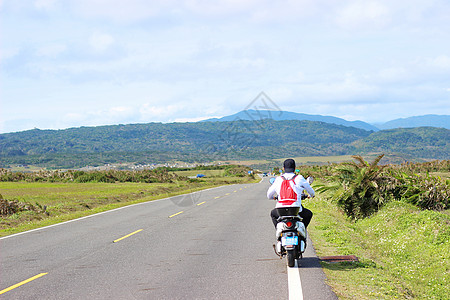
x,y
289,165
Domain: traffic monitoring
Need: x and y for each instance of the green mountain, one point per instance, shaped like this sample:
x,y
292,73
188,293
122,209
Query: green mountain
x,y
418,121
420,142
251,114
210,141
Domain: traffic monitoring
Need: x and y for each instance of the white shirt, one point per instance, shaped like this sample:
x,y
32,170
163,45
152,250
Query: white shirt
x,y
300,185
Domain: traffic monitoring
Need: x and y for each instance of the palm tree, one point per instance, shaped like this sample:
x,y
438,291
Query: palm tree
x,y
356,187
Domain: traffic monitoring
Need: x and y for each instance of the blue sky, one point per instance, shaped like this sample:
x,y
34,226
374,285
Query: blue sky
x,y
97,62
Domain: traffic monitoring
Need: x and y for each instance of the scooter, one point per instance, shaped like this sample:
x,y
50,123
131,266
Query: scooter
x,y
291,232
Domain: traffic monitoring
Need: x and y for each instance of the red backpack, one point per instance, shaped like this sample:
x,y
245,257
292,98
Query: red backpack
x,y
287,194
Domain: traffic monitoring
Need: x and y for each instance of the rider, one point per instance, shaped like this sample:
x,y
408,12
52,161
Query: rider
x,y
300,185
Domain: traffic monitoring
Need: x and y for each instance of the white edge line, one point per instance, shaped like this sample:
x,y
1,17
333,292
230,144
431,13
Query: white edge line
x,y
294,283
101,213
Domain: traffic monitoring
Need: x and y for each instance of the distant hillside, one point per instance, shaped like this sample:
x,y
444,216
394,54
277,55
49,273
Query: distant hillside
x,y
425,142
157,142
286,115
442,121
212,141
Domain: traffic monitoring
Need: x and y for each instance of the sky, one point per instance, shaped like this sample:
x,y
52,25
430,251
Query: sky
x,y
72,63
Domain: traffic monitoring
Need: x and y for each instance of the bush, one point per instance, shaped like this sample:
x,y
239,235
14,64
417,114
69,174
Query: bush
x,y
361,188
10,207
426,192
357,187
236,171
94,177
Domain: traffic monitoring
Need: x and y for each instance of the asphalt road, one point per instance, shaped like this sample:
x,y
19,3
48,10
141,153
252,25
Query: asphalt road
x,y
214,244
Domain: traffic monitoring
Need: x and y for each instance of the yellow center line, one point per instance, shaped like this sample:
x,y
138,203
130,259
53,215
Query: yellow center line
x,y
22,283
227,194
234,191
180,212
128,235
217,197
201,203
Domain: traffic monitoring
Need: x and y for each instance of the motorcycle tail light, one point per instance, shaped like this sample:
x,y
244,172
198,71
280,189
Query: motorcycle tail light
x,y
289,224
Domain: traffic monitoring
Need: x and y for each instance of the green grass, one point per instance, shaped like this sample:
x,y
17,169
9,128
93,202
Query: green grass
x,y
404,252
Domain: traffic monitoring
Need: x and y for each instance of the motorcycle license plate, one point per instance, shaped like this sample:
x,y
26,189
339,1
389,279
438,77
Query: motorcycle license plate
x,y
289,240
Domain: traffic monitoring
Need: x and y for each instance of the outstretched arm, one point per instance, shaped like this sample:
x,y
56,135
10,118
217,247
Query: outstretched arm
x,y
272,191
305,184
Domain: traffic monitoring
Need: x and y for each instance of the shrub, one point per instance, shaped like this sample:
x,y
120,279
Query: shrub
x,y
361,188
10,207
357,187
426,192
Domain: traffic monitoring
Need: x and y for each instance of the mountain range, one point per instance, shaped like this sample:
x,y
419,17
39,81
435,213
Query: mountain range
x,y
286,115
418,121
442,121
256,137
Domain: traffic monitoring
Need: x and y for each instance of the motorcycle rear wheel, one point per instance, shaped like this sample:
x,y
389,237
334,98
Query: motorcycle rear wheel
x,y
290,257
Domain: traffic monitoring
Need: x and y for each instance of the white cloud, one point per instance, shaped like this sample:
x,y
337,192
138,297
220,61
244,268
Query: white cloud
x,y
45,4
121,111
348,88
392,75
8,53
261,11
441,62
221,7
100,41
104,116
364,15
123,10
51,50
238,63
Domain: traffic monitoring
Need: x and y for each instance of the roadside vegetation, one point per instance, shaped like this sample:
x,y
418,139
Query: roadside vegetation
x,y
394,218
361,188
403,251
36,199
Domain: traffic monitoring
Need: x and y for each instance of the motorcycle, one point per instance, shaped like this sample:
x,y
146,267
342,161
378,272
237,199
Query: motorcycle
x,y
291,232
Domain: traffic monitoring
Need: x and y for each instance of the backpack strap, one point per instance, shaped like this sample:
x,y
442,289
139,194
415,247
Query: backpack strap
x,y
293,178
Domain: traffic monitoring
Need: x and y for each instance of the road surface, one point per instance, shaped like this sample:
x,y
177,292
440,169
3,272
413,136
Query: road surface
x,y
213,244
